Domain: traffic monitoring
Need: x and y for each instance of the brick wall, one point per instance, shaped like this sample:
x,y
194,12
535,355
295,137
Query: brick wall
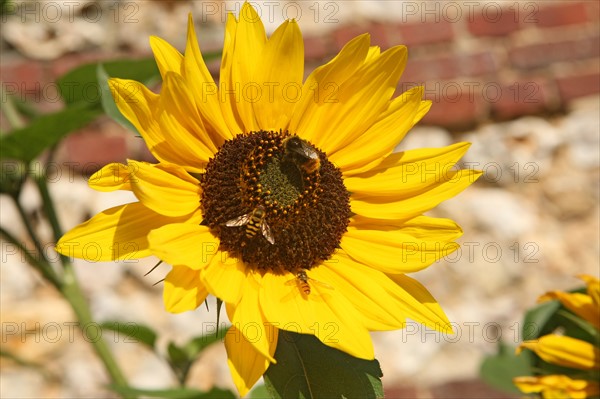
x,y
494,60
479,62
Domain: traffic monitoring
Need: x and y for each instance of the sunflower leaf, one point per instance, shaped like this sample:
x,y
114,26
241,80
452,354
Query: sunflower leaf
x,y
81,84
307,368
137,332
540,320
45,131
499,370
197,344
108,102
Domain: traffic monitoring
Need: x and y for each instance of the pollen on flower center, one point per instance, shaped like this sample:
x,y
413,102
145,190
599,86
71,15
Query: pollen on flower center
x,y
275,201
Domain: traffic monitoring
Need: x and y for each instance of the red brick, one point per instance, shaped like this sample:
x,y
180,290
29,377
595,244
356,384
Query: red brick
x,y
93,147
316,47
494,22
346,33
579,85
518,98
64,64
415,34
449,66
343,35
593,10
402,392
456,105
543,54
20,75
468,389
567,13
380,35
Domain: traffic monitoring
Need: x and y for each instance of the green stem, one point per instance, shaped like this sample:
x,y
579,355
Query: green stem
x,y
32,235
50,211
10,111
44,268
72,292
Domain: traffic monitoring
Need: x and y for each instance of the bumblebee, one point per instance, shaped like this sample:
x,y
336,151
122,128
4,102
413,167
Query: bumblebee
x,y
254,221
302,154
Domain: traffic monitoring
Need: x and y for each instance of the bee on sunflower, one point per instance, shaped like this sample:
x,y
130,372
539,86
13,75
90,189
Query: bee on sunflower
x,y
291,209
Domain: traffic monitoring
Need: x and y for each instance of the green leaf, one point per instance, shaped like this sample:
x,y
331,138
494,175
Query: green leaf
x,y
176,393
137,332
499,370
82,85
259,392
177,355
308,368
27,143
198,344
540,320
108,102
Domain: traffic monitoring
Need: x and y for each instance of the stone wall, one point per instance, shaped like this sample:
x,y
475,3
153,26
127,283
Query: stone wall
x,y
520,80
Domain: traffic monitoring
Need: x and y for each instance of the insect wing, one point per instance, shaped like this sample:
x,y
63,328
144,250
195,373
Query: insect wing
x,y
239,221
266,232
307,151
320,283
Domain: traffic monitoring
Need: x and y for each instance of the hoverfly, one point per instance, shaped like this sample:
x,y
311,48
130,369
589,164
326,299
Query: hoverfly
x,y
302,281
254,221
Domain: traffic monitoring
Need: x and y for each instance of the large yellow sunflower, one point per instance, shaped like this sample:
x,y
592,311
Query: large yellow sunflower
x,y
281,197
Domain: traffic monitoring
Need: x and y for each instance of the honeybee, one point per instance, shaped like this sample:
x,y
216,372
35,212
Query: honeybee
x,y
254,221
301,154
302,279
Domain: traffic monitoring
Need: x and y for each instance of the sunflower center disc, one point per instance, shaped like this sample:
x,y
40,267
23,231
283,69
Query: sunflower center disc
x,y
274,206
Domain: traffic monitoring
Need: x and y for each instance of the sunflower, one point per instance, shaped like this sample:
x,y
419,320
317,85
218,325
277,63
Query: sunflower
x,y
282,198
582,357
558,387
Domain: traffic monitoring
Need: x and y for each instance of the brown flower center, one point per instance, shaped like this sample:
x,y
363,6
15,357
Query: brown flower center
x,y
275,201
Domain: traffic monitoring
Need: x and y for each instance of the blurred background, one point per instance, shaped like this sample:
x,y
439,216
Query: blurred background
x,y
520,80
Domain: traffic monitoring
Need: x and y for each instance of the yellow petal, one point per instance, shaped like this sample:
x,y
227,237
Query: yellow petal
x,y
565,351
112,177
167,57
368,290
322,85
380,139
388,208
360,101
184,244
325,313
558,387
407,173
420,305
405,247
279,76
250,40
183,290
203,88
224,277
178,115
228,96
118,233
163,192
247,317
580,304
246,364
593,287
140,106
